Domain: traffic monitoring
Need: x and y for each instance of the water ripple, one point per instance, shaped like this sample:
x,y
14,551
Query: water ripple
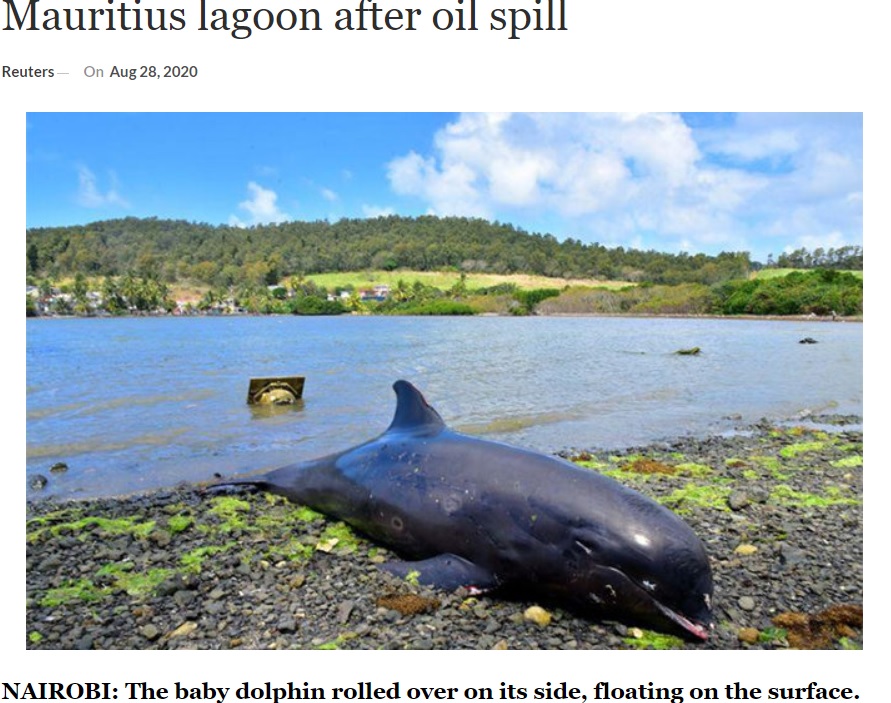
x,y
141,403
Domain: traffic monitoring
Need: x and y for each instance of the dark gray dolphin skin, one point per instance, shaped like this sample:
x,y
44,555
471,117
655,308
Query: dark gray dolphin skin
x,y
486,515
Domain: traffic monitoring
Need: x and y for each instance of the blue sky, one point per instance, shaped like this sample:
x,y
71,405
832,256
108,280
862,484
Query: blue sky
x,y
696,182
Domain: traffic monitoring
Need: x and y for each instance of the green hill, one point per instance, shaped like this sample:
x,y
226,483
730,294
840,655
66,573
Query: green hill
x,y
448,265
221,256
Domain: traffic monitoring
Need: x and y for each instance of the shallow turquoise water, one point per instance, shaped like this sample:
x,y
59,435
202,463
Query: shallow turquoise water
x,y
140,403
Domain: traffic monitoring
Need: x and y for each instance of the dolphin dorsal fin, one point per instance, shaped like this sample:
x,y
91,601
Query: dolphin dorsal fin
x,y
413,414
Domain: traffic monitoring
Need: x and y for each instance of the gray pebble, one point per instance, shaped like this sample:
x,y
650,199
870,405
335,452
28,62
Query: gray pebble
x,y
216,594
287,624
150,632
738,500
343,611
746,603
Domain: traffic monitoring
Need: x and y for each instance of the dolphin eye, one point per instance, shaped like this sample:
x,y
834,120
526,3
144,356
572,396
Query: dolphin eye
x,y
396,522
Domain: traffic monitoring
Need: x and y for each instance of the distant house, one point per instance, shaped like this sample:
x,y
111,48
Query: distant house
x,y
42,303
378,293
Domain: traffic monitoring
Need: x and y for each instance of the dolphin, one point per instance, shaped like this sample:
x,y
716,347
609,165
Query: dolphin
x,y
486,515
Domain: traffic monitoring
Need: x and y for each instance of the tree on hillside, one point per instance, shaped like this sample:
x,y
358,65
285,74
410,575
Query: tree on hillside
x,y
847,257
224,256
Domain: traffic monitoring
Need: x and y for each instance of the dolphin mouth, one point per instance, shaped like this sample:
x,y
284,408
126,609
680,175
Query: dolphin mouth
x,y
640,601
693,628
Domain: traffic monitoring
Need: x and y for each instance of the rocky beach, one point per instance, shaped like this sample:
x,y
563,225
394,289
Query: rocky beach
x,y
779,509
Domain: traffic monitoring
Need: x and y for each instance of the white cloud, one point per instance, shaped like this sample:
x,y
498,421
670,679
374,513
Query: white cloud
x,y
620,178
90,195
261,206
592,168
372,211
758,144
832,173
826,240
328,194
449,188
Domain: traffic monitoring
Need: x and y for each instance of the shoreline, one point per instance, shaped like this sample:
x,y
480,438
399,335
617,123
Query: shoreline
x,y
677,316
683,316
184,569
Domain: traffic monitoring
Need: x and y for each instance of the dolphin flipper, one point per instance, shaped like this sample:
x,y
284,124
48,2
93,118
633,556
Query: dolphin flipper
x,y
446,572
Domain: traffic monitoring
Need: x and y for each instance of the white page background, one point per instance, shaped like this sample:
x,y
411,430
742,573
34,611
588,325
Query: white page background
x,y
633,55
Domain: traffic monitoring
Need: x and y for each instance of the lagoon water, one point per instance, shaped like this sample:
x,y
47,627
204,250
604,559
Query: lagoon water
x,y
133,404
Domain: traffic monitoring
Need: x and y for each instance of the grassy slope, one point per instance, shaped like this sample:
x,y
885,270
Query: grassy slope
x,y
776,273
446,279
188,292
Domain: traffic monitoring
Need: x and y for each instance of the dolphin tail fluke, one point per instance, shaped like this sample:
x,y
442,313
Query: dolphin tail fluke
x,y
446,572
